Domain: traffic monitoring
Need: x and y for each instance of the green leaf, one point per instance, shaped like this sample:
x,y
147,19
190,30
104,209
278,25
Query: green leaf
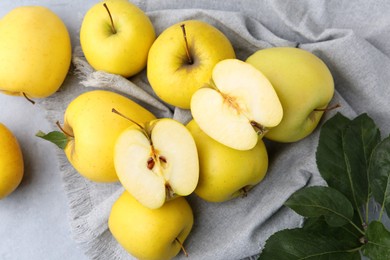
x,y
347,233
360,138
58,138
322,201
294,244
330,155
378,242
380,174
343,154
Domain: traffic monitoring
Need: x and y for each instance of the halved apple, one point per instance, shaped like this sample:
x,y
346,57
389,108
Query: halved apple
x,y
157,162
238,107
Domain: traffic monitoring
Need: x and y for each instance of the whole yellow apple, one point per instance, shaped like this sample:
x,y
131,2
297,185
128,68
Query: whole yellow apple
x,y
226,173
181,60
115,37
35,51
91,129
303,84
11,162
151,234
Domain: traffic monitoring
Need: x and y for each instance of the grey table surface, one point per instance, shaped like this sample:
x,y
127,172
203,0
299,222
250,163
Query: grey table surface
x,y
34,219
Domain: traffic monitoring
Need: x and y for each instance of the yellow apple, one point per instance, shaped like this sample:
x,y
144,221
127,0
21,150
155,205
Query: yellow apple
x,y
115,37
304,86
226,173
11,162
35,51
182,57
91,129
151,234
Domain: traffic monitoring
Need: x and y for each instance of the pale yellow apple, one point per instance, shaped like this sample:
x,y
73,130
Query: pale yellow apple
x,y
35,51
239,108
226,173
157,162
120,47
171,74
94,128
11,162
151,234
304,85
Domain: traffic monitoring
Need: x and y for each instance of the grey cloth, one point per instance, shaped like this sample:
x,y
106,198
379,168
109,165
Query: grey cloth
x,y
351,37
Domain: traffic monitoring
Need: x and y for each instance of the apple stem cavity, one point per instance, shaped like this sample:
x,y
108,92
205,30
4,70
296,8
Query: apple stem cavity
x,y
327,108
182,247
244,192
29,99
112,21
63,130
260,130
190,60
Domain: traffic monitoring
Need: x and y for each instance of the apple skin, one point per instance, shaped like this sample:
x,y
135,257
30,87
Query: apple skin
x,y
35,51
89,118
303,83
150,234
125,52
11,162
172,78
224,171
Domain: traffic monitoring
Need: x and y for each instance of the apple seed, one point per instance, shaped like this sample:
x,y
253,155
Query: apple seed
x,y
150,163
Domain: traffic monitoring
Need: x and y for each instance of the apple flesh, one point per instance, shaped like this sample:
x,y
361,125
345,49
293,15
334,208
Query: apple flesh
x,y
153,234
304,85
226,173
180,64
157,162
239,107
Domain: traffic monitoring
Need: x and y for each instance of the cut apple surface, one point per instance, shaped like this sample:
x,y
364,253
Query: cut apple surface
x,y
240,106
157,162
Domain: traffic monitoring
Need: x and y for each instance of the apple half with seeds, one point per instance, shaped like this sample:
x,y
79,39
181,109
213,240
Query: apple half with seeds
x,y
157,161
238,107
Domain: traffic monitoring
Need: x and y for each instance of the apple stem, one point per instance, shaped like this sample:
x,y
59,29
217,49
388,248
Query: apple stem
x,y
128,118
137,124
63,130
112,21
29,99
328,108
183,28
182,247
